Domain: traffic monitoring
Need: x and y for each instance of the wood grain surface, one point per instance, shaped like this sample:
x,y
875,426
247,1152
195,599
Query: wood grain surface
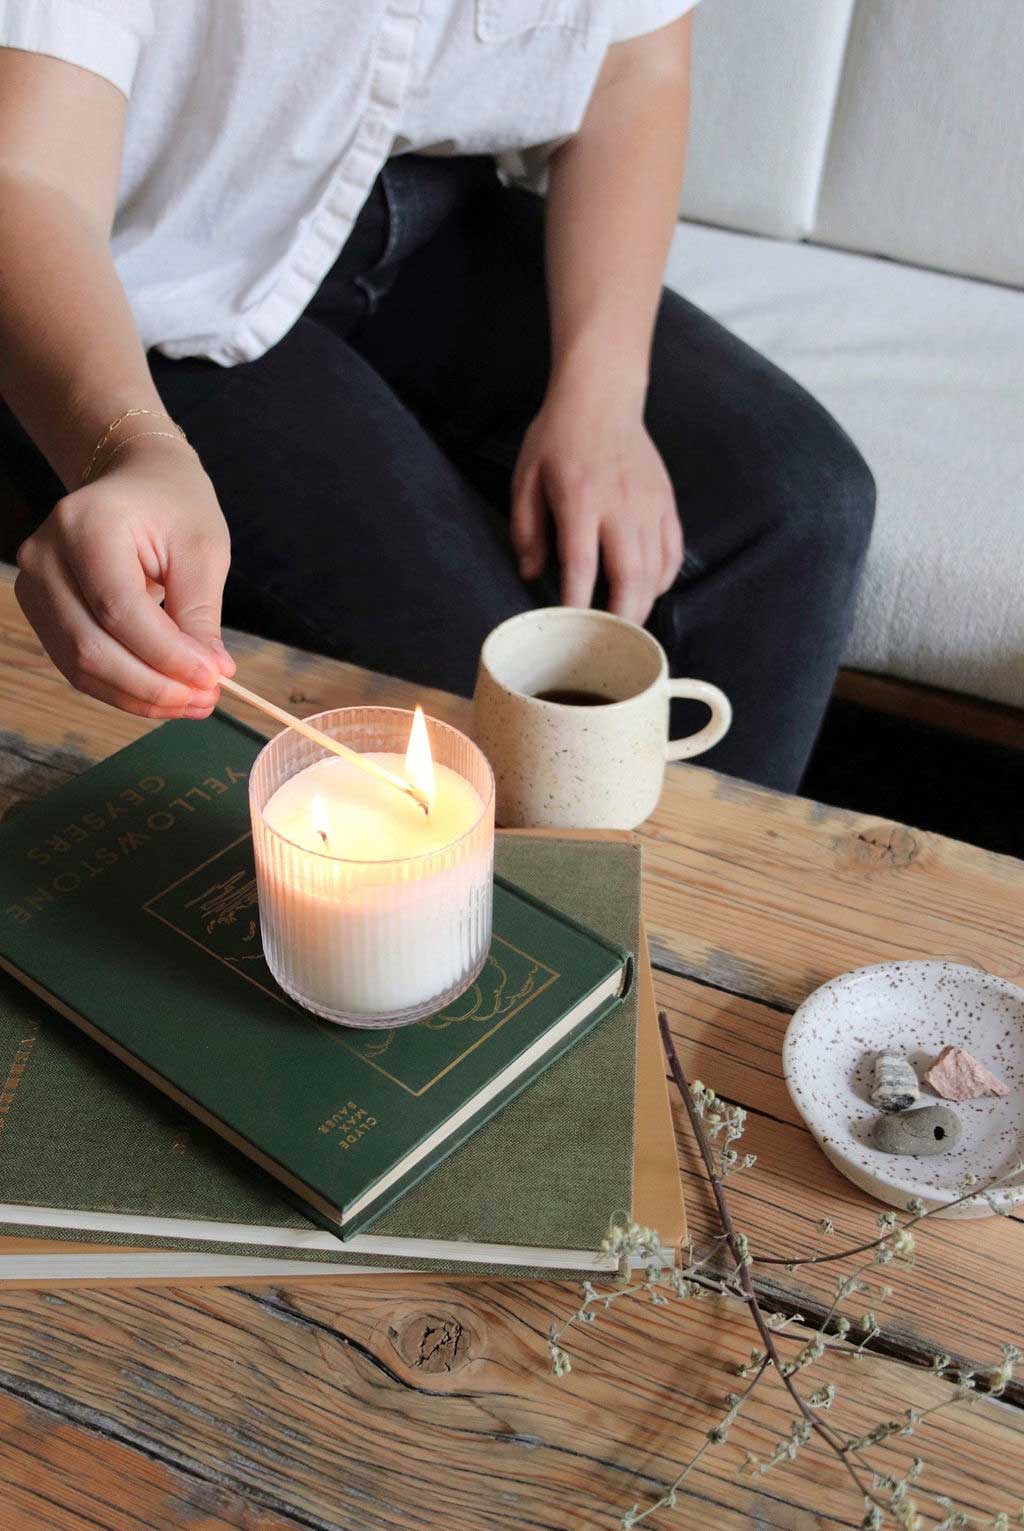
x,y
418,1401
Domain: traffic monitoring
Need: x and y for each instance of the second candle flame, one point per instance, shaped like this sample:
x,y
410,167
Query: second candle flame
x,y
419,763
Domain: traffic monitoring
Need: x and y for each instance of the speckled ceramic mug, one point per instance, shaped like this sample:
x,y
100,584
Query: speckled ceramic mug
x,y
564,765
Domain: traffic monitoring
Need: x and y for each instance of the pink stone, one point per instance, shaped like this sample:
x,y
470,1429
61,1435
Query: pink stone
x,y
955,1075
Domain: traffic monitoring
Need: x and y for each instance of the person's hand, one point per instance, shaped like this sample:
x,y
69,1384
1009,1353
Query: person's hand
x,y
92,578
590,464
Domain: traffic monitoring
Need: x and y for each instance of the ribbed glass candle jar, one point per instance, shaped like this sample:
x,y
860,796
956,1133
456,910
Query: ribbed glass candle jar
x,y
374,942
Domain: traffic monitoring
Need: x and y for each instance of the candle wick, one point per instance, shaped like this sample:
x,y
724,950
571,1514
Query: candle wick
x,y
323,835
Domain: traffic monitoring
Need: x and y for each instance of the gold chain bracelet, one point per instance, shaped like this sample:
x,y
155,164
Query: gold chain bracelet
x,y
167,435
112,427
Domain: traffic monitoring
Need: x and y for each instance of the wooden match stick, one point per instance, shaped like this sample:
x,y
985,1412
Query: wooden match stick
x,y
324,740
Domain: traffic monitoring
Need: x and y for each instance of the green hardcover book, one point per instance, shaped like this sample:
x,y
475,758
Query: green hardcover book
x,y
91,1153
128,902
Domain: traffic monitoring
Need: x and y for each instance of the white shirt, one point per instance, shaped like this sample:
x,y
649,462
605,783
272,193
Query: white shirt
x,y
255,128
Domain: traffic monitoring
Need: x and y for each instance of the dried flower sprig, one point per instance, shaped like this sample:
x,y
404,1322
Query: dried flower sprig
x,y
717,1126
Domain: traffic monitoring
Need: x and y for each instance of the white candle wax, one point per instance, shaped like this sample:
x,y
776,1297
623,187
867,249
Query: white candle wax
x,y
365,818
381,911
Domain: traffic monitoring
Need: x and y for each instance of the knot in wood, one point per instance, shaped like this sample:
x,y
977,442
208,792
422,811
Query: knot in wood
x,y
435,1342
884,845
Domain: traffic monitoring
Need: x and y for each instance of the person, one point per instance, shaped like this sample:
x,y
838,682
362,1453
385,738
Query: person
x,y
283,275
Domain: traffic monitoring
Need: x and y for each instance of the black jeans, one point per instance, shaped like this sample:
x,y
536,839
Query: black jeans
x,y
364,466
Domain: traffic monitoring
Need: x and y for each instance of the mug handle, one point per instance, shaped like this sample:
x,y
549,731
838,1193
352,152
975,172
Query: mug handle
x,y
716,728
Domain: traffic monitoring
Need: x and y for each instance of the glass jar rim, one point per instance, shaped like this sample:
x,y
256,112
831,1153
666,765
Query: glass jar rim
x,y
486,801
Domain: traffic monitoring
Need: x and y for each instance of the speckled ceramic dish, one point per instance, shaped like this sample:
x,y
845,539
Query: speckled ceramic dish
x,y
913,1008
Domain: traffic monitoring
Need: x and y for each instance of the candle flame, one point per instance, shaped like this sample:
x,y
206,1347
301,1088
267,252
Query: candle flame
x,y
419,763
318,813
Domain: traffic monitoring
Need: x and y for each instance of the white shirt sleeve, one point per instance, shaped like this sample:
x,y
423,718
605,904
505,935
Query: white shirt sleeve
x,y
104,36
635,17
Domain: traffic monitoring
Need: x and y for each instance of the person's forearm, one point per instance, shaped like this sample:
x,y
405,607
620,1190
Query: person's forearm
x,y
123,580
70,356
612,205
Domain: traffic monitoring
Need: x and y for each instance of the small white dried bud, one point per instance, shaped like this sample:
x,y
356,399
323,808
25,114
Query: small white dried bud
x,y
779,1320
907,1517
560,1363
1001,1375
903,1244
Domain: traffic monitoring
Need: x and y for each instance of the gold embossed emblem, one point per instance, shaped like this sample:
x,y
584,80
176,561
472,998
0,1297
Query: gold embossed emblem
x,y
214,907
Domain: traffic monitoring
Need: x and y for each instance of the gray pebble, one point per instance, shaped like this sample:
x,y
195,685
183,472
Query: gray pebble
x,y
895,1085
932,1130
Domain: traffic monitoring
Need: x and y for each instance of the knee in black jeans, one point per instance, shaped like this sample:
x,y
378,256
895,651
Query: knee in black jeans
x,y
820,494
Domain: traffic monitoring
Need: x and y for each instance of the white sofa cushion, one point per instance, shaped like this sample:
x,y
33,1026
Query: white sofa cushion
x,y
765,79
925,160
926,372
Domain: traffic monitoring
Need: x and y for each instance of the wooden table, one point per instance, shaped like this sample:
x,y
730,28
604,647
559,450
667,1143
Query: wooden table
x,y
414,1401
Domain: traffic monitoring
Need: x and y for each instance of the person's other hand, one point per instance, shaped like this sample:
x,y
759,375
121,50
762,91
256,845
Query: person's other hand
x,y
92,578
591,466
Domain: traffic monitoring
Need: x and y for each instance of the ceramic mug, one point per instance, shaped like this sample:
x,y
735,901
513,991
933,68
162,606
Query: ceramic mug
x,y
597,761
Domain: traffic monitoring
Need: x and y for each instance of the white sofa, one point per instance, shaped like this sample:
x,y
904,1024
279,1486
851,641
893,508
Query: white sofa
x,y
893,129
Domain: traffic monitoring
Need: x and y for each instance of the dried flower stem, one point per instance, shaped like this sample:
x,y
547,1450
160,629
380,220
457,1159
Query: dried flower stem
x,y
832,1438
716,1126
668,1498
912,1222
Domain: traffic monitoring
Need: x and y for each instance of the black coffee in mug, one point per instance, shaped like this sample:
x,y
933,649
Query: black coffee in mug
x,y
570,698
